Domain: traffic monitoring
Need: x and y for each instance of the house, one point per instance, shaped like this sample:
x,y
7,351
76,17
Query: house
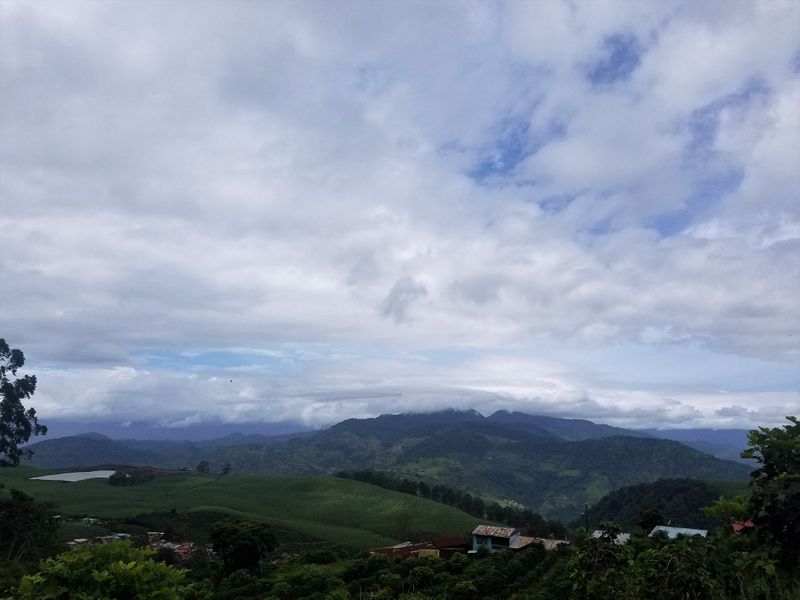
x,y
494,538
507,538
450,545
619,538
674,532
443,547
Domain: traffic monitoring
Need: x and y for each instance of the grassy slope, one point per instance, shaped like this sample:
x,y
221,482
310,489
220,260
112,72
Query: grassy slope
x,y
334,510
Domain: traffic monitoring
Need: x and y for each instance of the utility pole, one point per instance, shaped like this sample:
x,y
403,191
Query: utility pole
x,y
586,514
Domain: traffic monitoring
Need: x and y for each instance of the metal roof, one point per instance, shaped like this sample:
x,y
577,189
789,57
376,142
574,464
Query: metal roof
x,y
498,532
550,544
521,541
673,532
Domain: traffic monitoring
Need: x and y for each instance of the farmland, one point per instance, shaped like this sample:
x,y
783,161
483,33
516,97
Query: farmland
x,y
321,508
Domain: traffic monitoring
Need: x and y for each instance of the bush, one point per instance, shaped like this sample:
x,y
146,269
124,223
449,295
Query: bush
x,y
116,570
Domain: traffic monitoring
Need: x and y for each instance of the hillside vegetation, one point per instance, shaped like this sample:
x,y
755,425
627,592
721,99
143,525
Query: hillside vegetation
x,y
551,465
678,501
324,508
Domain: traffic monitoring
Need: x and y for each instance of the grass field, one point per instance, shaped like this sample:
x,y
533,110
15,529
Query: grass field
x,y
324,508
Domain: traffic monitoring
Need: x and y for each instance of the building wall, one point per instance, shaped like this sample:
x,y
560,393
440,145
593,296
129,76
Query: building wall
x,y
490,543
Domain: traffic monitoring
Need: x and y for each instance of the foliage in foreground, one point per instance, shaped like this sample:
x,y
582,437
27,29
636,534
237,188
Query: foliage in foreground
x,y
17,424
116,570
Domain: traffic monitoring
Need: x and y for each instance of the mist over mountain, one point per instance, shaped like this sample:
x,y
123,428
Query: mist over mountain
x,y
568,429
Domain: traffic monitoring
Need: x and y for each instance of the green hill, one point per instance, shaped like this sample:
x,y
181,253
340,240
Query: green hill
x,y
552,476
551,465
566,429
323,508
679,501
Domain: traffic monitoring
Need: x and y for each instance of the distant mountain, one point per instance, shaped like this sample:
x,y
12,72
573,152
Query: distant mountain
x,y
146,430
733,437
93,449
552,465
722,443
89,449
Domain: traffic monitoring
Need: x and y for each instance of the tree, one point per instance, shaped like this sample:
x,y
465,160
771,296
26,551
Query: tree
x,y
203,467
17,423
675,570
116,570
775,488
650,518
118,478
600,568
241,544
27,527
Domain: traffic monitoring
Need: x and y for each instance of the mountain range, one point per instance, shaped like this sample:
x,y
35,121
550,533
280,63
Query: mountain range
x,y
550,464
722,443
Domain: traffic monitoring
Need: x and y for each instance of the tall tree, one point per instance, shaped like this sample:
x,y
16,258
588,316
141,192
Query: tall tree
x,y
17,423
775,487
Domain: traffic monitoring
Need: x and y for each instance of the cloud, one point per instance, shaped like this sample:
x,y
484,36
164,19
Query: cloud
x,y
498,180
403,293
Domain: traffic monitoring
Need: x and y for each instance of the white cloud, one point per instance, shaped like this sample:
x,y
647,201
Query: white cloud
x,y
255,176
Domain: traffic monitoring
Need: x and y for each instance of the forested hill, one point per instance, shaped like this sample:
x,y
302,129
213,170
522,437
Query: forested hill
x,y
567,429
677,501
553,466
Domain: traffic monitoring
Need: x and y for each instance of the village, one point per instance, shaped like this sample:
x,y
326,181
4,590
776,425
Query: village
x,y
492,539
488,538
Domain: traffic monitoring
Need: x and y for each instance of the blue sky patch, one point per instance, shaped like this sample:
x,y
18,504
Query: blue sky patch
x,y
622,54
214,360
511,149
515,142
707,193
704,122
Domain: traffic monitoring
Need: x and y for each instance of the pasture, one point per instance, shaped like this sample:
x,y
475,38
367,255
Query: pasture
x,y
323,508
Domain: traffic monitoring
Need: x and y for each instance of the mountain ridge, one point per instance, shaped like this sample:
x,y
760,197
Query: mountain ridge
x,y
507,457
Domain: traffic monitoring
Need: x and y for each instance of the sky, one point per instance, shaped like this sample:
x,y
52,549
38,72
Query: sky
x,y
310,210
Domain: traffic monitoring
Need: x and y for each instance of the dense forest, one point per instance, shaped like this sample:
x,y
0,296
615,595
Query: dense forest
x,y
676,501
